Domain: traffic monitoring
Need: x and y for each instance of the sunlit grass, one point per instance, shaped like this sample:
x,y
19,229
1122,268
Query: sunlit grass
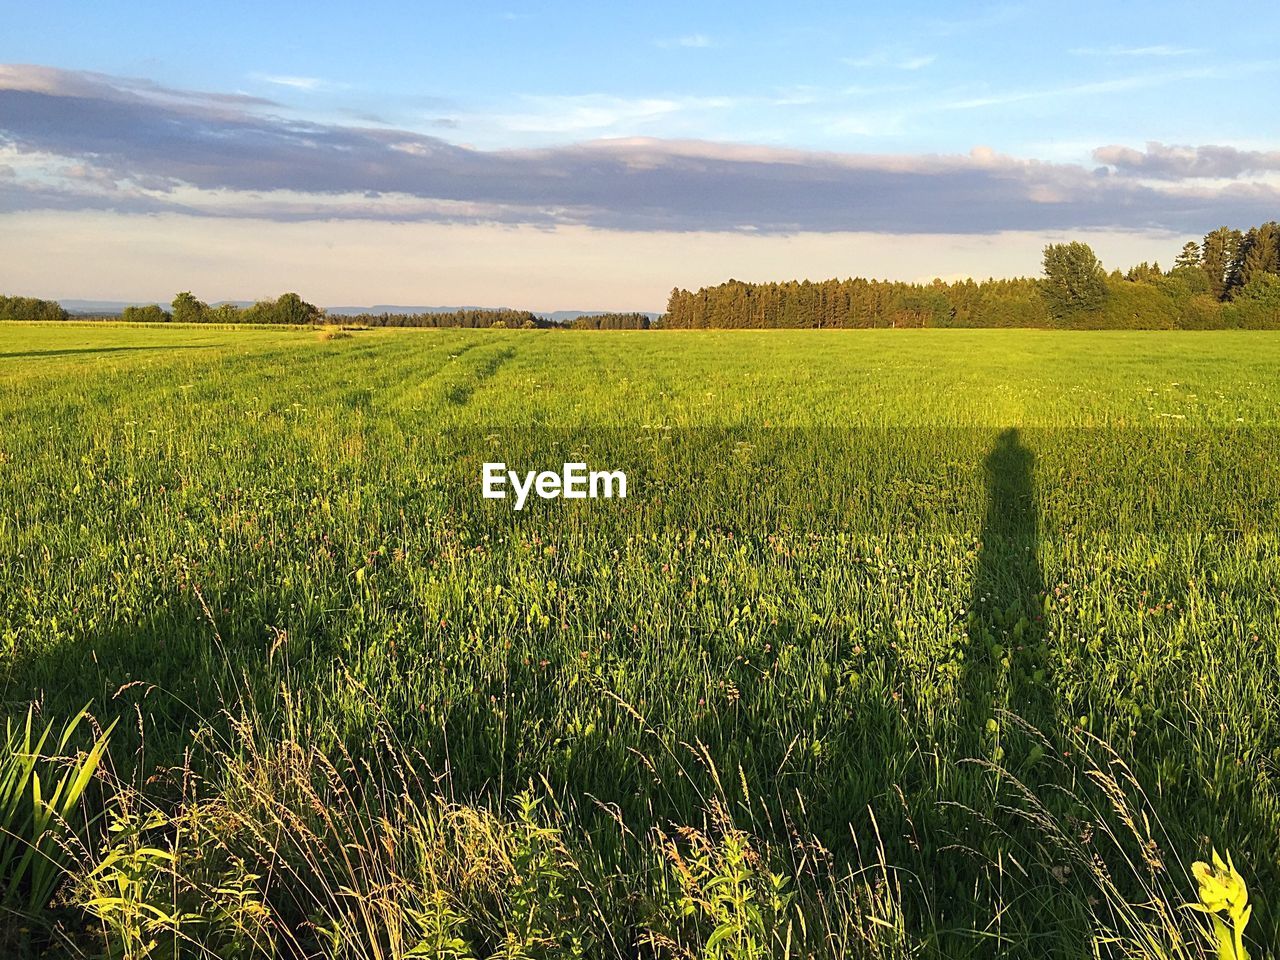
x,y
851,643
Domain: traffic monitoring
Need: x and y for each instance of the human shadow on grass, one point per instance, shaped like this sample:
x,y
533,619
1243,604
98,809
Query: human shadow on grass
x,y
1004,664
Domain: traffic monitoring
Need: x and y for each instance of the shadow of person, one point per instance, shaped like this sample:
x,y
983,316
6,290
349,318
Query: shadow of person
x,y
1006,603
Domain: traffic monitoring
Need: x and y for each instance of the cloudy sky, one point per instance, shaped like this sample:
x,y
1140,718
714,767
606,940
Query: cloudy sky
x,y
567,155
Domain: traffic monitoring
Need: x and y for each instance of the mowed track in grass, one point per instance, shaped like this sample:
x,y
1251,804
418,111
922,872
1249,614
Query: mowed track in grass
x,y
851,566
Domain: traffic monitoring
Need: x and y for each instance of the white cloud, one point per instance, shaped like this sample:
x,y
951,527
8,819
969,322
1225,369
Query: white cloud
x,y
601,114
693,41
90,144
894,61
916,63
1155,50
1113,85
308,84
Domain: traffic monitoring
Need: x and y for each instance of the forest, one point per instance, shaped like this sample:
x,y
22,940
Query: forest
x,y
1230,280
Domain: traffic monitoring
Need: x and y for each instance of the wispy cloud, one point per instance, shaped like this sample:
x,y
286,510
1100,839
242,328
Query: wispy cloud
x,y
916,63
1135,81
54,81
297,83
307,84
80,141
1156,50
693,41
600,114
1089,88
974,20
894,61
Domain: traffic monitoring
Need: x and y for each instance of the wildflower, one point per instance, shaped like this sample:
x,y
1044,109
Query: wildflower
x,y
1221,887
1222,891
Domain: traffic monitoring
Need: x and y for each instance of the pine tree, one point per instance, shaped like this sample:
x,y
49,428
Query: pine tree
x,y
1189,257
1258,254
1218,256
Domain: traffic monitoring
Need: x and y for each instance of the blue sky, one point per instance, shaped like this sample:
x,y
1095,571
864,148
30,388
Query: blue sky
x,y
714,139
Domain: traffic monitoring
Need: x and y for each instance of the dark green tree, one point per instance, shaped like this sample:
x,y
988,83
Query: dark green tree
x,y
225,313
291,308
150,313
1217,255
611,321
187,309
1145,273
1262,290
1258,254
30,308
471,319
1074,280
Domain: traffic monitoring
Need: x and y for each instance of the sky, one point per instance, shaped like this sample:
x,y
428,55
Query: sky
x,y
593,156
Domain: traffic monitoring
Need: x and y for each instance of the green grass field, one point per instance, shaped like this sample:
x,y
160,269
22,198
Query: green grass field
x,y
903,643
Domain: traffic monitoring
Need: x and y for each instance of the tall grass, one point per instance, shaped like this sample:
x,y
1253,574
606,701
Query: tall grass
x,y
43,777
298,853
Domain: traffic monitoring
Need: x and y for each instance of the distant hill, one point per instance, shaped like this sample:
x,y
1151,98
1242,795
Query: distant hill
x,y
111,308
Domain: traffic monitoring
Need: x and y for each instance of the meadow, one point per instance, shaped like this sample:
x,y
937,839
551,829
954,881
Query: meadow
x,y
903,644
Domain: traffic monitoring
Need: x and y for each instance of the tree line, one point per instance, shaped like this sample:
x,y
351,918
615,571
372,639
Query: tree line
x,y
470,319
611,321
30,308
1230,280
288,308
519,319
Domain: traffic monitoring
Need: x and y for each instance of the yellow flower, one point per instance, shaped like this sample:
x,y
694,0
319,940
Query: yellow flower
x,y
1221,887
1222,890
